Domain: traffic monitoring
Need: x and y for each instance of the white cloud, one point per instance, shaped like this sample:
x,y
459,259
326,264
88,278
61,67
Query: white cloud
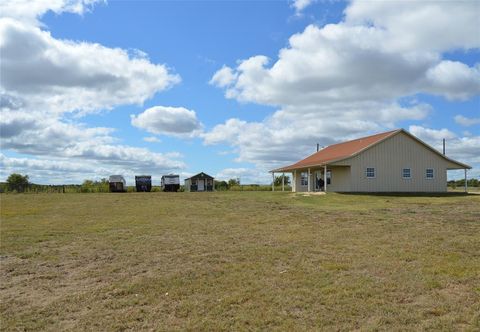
x,y
454,80
62,144
422,25
60,170
339,63
432,135
31,132
29,10
464,121
12,124
291,134
44,79
152,139
246,175
223,77
64,76
176,121
300,5
225,133
345,80
464,149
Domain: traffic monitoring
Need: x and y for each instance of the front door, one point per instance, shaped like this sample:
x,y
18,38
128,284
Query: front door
x,y
201,185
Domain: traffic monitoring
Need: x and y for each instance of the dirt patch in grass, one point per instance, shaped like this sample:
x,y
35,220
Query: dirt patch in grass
x,y
239,261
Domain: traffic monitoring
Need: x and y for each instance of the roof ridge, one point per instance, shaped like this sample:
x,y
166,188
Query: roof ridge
x,y
364,137
353,140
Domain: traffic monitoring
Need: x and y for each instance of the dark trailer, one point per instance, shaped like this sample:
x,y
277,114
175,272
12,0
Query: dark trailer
x,y
143,183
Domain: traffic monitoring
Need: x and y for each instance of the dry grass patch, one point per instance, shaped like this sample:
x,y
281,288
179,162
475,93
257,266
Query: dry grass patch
x,y
239,261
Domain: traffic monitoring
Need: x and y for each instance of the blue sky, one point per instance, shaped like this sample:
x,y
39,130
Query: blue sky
x,y
241,95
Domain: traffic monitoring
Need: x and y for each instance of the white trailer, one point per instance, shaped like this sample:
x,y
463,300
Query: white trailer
x,y
170,182
117,183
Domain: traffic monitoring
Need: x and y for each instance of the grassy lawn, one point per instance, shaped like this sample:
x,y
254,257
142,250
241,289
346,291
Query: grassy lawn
x,y
239,261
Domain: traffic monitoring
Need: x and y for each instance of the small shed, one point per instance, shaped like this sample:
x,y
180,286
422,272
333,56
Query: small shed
x,y
200,182
143,183
117,183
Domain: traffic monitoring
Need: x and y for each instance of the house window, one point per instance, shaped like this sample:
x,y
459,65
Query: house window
x,y
406,173
370,172
429,173
329,177
304,179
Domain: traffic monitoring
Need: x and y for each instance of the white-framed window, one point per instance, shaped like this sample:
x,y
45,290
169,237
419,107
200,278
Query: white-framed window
x,y
304,178
407,173
370,172
429,173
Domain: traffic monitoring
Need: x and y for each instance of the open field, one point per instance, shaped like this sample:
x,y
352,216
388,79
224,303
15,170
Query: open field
x,y
239,261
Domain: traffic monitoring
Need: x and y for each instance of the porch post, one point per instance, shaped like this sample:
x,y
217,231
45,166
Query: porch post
x,y
466,185
283,181
308,180
325,178
294,181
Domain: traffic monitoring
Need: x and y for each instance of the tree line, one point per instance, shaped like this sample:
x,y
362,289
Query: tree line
x,y
20,183
461,183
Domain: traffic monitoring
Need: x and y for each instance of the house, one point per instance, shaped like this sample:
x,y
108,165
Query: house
x,y
117,183
200,182
170,182
393,161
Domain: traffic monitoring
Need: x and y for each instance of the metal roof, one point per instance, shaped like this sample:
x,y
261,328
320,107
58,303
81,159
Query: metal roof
x,y
201,175
344,150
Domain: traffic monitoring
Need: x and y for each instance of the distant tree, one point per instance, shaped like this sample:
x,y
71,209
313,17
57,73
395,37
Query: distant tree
x,y
221,185
17,182
461,183
104,186
278,180
90,186
233,182
87,186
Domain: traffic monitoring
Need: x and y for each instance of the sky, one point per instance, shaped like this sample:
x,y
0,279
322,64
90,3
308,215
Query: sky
x,y
231,88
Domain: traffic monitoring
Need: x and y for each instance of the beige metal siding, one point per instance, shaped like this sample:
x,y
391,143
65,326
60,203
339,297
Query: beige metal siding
x,y
389,158
340,179
187,185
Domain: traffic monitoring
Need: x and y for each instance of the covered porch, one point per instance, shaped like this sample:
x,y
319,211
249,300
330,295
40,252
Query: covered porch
x,y
318,178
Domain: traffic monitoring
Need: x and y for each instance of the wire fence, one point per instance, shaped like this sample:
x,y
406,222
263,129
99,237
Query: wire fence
x,y
74,188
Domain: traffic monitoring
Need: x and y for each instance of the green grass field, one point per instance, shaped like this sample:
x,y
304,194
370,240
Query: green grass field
x,y
239,261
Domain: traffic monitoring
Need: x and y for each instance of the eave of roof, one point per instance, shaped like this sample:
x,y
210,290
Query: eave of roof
x,y
199,175
462,165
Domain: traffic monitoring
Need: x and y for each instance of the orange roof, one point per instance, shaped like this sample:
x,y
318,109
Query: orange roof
x,y
339,151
